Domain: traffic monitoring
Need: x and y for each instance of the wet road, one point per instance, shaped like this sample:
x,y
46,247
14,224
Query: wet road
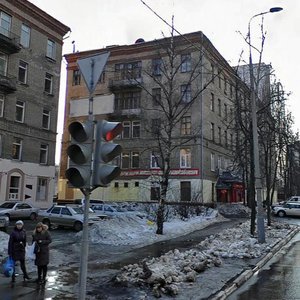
x,y
279,279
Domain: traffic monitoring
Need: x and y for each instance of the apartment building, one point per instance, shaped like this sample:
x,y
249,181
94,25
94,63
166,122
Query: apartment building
x,y
30,60
144,85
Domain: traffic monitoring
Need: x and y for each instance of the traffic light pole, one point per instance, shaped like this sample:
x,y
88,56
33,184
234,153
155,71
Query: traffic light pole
x,y
87,191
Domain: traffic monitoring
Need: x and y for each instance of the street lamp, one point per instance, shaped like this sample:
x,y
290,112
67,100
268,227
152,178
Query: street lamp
x,y
257,173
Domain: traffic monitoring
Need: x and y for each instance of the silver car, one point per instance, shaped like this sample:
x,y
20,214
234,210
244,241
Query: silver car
x,y
288,209
66,216
18,210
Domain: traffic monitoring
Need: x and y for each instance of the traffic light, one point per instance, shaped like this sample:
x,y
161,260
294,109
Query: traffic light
x,y
80,154
105,152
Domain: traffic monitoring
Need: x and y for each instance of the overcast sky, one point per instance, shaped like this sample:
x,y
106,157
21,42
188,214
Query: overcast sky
x,y
97,24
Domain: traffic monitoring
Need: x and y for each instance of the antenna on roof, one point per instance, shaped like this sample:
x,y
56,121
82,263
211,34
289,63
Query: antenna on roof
x,y
73,43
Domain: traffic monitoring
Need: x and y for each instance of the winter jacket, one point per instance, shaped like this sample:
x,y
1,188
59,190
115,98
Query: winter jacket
x,y
42,240
17,244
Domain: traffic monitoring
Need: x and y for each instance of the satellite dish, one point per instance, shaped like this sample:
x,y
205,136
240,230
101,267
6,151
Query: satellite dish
x,y
140,40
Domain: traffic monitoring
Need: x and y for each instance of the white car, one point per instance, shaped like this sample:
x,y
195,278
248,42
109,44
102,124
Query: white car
x,y
287,209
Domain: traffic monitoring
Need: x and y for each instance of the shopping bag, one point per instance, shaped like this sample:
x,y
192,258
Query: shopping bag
x,y
30,253
8,267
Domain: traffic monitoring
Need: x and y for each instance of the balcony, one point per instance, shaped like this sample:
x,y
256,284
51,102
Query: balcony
x,y
8,84
126,78
9,42
126,112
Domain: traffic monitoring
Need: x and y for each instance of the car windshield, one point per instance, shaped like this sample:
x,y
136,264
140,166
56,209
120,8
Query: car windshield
x,y
7,205
77,210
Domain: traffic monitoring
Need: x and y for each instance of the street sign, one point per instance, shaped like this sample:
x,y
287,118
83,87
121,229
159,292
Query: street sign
x,y
91,69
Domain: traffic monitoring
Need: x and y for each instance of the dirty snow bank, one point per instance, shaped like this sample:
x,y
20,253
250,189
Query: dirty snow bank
x,y
165,274
132,230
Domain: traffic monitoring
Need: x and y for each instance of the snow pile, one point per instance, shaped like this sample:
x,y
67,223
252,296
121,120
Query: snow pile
x,y
234,209
164,274
133,230
4,237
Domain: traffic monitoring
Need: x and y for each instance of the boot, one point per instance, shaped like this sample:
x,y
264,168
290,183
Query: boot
x,y
26,277
13,278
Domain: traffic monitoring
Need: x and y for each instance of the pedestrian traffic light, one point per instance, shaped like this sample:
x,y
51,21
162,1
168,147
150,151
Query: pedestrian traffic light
x,y
80,154
105,152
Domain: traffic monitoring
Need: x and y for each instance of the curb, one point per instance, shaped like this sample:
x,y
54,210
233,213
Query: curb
x,y
247,274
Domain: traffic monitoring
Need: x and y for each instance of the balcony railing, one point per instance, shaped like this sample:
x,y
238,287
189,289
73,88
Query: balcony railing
x,y
126,78
8,84
9,42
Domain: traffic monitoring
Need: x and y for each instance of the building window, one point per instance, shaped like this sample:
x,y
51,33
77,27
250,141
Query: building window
x,y
116,184
135,159
212,102
3,64
186,63
130,70
43,154
212,73
127,100
125,160
225,112
41,191
17,149
219,77
76,77
155,126
212,131
186,125
46,119
126,130
185,158
219,162
219,135
25,36
5,23
212,162
48,83
136,128
156,96
186,93
136,184
219,107
14,188
20,111
157,66
126,185
23,70
1,105
154,161
51,49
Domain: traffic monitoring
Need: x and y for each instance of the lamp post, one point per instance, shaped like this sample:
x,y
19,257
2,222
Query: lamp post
x,y
257,173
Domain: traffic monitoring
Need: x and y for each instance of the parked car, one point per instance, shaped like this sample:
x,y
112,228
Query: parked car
x,y
293,199
4,222
18,210
106,209
287,209
67,216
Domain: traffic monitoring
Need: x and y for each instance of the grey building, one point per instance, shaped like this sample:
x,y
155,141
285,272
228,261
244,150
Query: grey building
x,y
30,60
136,89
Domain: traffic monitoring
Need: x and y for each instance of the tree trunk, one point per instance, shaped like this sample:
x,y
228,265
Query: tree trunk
x,y
160,218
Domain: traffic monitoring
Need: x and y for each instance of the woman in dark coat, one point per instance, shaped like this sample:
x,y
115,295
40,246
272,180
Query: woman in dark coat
x,y
16,248
42,239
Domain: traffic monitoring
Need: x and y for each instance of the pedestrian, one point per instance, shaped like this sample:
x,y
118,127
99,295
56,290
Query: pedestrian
x,y
16,248
42,239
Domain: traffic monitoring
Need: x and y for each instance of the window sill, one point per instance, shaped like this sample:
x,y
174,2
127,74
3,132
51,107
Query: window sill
x,y
48,94
50,59
23,83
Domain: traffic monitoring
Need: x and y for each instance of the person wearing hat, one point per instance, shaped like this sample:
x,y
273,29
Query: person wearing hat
x,y
16,248
42,239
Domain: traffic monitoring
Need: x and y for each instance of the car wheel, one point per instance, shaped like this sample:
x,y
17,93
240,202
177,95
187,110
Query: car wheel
x,y
281,213
33,216
47,222
7,215
78,226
